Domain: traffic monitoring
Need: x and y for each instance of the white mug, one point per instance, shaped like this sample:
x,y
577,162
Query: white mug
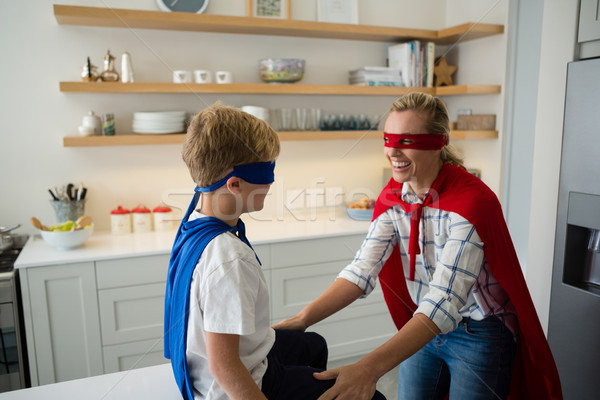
x,y
202,76
181,76
224,77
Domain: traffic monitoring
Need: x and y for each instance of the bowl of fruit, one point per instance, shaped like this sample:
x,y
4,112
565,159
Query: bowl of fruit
x,y
67,235
361,210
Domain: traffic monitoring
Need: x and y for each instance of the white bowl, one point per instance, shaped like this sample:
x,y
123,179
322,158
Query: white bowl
x,y
67,240
360,214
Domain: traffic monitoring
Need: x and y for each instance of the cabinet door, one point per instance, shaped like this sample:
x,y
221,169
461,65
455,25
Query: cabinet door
x,y
132,313
123,357
66,328
589,20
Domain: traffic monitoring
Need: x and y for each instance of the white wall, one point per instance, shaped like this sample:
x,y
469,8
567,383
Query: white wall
x,y
38,53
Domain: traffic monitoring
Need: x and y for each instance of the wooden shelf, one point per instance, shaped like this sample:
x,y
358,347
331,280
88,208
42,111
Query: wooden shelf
x,y
180,21
134,140
266,88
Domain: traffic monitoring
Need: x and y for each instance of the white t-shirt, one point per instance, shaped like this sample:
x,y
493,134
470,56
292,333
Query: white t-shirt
x,y
228,294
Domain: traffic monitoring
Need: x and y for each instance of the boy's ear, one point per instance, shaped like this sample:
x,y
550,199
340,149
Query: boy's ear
x,y
233,185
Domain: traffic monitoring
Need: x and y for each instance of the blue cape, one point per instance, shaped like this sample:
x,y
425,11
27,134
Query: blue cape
x,y
190,241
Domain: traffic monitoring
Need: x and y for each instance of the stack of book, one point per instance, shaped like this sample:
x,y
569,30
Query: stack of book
x,y
415,60
376,76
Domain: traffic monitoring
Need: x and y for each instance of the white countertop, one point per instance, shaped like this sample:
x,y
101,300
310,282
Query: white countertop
x,y
102,245
150,383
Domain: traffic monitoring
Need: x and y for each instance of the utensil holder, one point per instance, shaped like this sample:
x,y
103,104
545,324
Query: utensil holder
x,y
68,210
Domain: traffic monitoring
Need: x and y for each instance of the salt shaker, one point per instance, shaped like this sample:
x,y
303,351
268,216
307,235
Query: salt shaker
x,y
120,221
163,218
142,219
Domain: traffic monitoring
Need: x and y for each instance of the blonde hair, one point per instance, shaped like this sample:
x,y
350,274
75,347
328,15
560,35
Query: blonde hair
x,y
437,120
222,137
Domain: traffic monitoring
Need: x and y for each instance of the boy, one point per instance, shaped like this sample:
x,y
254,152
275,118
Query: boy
x,y
217,331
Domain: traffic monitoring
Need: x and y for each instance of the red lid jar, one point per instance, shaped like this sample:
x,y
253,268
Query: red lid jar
x,y
163,218
142,219
120,221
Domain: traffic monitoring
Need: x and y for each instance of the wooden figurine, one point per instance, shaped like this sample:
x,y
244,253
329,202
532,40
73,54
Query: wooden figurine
x,y
443,72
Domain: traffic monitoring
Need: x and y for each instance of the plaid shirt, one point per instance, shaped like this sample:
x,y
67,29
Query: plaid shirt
x,y
452,278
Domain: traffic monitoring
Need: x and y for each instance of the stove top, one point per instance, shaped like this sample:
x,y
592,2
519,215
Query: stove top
x,y
7,259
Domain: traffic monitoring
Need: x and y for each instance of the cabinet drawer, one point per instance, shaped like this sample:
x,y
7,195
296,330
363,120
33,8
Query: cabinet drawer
x,y
132,271
293,288
123,357
315,251
132,313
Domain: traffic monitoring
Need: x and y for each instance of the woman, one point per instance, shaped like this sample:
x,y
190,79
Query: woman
x,y
440,247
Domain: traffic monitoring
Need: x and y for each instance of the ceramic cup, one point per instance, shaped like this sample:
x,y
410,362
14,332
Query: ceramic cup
x,y
224,77
202,76
181,76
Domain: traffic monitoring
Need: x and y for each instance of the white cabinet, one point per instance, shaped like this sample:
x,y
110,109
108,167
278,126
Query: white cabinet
x,y
302,270
589,20
61,322
106,316
131,295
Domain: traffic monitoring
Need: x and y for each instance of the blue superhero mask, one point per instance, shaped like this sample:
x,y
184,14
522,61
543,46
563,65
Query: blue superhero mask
x,y
258,173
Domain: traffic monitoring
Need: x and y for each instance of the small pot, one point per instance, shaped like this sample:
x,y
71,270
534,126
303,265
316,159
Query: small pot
x,y
6,242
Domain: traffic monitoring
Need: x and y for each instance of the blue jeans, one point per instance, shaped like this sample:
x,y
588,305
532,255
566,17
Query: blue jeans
x,y
472,362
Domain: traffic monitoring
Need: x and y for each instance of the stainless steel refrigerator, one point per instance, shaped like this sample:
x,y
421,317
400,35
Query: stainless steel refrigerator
x,y
574,324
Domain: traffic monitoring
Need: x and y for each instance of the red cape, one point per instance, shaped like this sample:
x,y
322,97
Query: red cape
x,y
534,375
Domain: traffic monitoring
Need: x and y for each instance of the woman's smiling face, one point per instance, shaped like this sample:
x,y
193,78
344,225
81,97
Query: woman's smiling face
x,y
418,168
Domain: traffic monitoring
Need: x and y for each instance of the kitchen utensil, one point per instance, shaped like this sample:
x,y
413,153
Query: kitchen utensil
x,y
38,225
6,242
68,239
281,70
83,221
6,230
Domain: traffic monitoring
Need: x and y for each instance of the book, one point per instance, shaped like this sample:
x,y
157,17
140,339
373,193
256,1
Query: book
x,y
399,57
415,60
430,60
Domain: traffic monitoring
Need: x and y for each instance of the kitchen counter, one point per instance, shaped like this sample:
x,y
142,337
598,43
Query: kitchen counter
x,y
148,383
102,245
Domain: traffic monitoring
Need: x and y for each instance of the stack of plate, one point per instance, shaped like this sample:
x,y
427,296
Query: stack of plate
x,y
159,122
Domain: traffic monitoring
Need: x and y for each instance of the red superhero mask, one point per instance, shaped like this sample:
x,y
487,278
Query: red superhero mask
x,y
421,141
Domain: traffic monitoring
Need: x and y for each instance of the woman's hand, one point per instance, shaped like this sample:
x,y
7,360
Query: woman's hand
x,y
352,383
293,324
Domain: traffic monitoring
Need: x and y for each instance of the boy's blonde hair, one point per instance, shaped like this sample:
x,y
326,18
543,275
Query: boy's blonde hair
x,y
221,137
437,120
